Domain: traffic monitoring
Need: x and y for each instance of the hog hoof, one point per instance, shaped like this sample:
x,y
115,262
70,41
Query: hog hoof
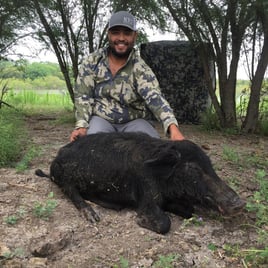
x,y
90,215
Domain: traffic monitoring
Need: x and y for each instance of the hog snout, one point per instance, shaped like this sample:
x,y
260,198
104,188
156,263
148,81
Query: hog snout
x,y
233,207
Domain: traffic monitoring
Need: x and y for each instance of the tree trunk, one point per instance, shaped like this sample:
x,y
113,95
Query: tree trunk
x,y
227,87
251,121
205,52
57,49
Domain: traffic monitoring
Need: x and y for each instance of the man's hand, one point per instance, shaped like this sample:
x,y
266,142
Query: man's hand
x,y
175,133
78,133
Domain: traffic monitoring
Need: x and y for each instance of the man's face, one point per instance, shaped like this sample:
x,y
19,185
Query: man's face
x,y
121,41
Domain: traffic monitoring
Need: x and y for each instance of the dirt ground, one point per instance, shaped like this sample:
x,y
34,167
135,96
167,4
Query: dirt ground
x,y
67,240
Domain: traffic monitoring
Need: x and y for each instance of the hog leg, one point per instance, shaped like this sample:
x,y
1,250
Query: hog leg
x,y
181,207
153,218
105,204
87,211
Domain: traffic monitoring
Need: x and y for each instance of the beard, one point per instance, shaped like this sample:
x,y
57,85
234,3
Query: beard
x,y
119,54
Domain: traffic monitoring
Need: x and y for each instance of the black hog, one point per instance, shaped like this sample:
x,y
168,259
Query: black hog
x,y
118,170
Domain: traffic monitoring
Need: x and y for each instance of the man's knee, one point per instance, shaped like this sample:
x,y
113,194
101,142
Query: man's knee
x,y
98,124
141,125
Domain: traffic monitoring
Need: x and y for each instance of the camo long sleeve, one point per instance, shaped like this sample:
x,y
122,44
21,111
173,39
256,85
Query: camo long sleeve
x,y
132,93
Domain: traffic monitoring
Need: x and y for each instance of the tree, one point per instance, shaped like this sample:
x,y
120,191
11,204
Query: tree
x,y
13,17
73,28
222,25
250,123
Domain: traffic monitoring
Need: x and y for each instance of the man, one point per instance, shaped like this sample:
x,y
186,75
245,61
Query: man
x,y
117,91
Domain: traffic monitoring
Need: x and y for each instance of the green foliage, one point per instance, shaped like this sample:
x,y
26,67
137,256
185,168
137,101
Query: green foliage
x,y
13,219
257,204
14,139
244,161
46,83
194,220
264,109
25,70
45,210
250,257
38,100
122,264
13,18
243,100
256,257
18,252
9,70
209,120
166,261
41,70
212,247
229,154
31,153
13,136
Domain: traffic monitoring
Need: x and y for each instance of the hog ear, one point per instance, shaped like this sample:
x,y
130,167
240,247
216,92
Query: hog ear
x,y
163,164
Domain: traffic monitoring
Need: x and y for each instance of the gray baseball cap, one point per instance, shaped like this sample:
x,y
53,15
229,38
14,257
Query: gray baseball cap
x,y
123,18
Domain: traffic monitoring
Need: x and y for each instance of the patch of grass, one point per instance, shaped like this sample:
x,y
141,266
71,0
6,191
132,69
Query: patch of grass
x,y
229,154
249,257
233,182
212,247
123,263
258,204
13,136
209,120
255,160
18,252
13,219
166,261
34,100
256,257
195,220
65,118
25,162
45,210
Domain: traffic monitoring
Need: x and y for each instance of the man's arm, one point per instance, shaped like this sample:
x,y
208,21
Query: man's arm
x,y
149,90
83,93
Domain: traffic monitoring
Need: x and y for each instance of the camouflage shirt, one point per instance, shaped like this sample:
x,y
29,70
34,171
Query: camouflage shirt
x,y
133,92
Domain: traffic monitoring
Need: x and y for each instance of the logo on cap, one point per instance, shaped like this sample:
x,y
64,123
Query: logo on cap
x,y
123,18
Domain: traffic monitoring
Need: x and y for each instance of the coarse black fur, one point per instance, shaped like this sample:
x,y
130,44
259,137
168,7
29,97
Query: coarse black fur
x,y
118,170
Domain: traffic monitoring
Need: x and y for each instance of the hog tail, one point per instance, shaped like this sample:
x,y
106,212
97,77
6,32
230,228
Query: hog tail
x,y
40,173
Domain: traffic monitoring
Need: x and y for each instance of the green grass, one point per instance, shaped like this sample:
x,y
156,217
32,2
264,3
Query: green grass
x,y
166,261
15,148
44,210
230,155
256,204
13,136
24,163
163,261
14,218
34,100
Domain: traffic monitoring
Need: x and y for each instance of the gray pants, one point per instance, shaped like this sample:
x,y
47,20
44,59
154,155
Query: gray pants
x,y
98,124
